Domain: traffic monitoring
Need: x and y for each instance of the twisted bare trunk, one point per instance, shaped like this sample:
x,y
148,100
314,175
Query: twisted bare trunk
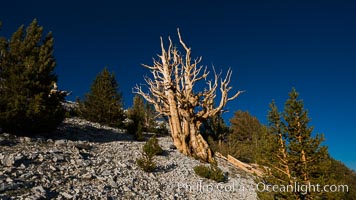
x,y
200,148
190,142
171,91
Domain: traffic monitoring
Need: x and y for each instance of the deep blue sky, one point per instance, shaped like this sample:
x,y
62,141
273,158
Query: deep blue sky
x,y
271,47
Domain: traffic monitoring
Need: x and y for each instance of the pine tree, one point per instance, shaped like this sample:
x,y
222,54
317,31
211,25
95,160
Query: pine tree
x,y
26,78
298,157
215,131
103,104
339,174
280,155
137,114
247,137
279,172
150,122
305,151
215,127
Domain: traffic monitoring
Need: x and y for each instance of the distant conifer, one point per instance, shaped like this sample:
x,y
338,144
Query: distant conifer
x,y
137,114
103,104
215,131
248,137
150,121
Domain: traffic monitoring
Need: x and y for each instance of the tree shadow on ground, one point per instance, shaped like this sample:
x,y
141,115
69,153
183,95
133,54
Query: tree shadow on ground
x,y
75,129
77,132
166,168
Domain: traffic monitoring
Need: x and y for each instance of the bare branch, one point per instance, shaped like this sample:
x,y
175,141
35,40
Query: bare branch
x,y
171,91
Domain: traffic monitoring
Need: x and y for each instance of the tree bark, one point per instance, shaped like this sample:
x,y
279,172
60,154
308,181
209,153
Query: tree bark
x,y
190,142
200,147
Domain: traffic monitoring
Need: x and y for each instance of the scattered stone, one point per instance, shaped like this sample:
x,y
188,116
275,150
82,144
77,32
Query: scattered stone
x,y
58,158
22,166
8,160
8,186
38,192
52,168
82,146
87,176
112,183
66,195
60,142
38,189
152,175
85,160
9,180
40,157
6,135
18,157
25,139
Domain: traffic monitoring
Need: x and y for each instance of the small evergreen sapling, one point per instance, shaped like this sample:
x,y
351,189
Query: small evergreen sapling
x,y
146,162
152,147
149,150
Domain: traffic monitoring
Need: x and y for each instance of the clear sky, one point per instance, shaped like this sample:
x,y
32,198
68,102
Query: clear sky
x,y
271,46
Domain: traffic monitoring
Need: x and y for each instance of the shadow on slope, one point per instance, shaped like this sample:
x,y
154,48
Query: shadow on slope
x,y
76,129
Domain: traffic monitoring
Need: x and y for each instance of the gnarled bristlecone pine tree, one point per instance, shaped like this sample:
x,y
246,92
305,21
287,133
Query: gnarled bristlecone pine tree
x,y
171,91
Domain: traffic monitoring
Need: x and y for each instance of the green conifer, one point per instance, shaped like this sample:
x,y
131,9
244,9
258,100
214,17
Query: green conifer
x,y
248,137
137,114
305,151
103,104
298,157
215,131
150,122
26,78
279,172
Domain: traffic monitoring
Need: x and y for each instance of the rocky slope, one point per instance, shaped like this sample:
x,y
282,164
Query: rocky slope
x,y
85,160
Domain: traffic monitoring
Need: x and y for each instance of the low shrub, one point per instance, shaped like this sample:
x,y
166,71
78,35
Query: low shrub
x,y
152,147
213,172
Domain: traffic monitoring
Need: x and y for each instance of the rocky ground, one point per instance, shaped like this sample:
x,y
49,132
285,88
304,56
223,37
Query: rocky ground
x,y
85,160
